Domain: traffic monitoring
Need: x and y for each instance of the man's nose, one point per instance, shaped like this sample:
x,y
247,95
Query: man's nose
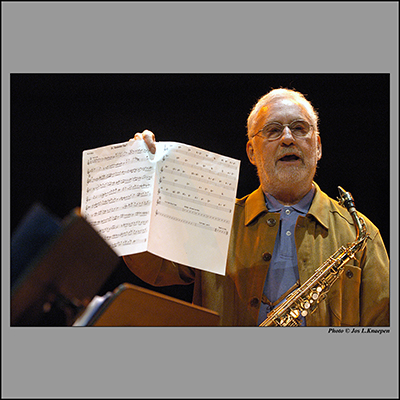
x,y
287,135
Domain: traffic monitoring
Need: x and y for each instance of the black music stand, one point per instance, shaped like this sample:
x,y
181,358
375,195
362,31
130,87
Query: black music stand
x,y
63,275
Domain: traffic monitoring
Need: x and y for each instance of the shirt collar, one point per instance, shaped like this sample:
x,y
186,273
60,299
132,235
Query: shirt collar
x,y
302,206
256,205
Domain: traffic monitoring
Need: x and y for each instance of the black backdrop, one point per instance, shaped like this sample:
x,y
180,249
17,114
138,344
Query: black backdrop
x,y
54,117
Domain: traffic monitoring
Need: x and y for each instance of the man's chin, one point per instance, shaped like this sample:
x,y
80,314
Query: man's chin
x,y
290,175
291,180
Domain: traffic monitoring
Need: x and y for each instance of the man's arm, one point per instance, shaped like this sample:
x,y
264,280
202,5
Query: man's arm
x,y
150,268
157,271
375,285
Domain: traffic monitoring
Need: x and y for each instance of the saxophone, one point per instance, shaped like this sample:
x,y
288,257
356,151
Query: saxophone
x,y
304,300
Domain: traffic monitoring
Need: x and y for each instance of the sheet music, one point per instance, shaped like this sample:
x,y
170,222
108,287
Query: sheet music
x,y
177,204
117,193
192,212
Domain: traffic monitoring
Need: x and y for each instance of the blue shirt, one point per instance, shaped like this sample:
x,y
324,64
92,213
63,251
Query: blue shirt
x,y
283,272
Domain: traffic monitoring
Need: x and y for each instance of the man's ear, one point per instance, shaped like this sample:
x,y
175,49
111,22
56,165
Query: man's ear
x,y
250,151
319,148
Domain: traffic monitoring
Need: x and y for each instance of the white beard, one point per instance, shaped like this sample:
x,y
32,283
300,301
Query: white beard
x,y
288,184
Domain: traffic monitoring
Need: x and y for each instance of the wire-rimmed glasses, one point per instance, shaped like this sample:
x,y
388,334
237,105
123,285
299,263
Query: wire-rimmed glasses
x,y
274,130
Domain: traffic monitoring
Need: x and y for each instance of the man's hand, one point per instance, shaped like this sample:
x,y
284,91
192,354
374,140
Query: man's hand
x,y
149,138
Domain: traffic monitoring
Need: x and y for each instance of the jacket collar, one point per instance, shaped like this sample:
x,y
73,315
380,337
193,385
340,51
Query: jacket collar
x,y
255,205
319,207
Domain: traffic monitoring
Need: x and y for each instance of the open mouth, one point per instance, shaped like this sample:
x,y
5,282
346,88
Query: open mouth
x,y
289,158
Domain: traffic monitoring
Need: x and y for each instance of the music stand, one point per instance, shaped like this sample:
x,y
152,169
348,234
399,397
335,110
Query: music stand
x,y
65,275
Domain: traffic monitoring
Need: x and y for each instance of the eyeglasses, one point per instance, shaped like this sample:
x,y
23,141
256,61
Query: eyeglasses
x,y
274,130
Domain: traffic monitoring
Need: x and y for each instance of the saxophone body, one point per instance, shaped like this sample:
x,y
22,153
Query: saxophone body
x,y
305,300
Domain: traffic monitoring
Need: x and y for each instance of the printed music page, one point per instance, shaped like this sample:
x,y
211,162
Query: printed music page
x,y
177,204
117,193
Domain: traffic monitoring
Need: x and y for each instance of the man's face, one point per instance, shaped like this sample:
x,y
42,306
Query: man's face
x,y
286,166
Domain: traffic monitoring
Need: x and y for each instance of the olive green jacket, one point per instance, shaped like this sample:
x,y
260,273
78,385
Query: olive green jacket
x,y
359,298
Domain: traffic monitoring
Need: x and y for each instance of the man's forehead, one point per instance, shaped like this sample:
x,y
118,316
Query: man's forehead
x,y
280,108
280,104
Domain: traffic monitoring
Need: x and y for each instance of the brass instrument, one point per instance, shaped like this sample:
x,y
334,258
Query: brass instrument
x,y
304,300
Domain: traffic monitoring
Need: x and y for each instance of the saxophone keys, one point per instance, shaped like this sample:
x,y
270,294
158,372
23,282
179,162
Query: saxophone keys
x,y
306,305
295,313
316,293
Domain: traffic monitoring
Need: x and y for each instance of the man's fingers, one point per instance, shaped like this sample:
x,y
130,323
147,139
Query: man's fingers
x,y
138,136
150,140
149,134
148,137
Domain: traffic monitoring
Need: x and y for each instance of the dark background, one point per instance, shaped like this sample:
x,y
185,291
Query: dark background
x,y
55,117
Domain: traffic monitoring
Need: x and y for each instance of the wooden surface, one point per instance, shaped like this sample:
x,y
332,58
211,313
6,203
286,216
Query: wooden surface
x,y
135,306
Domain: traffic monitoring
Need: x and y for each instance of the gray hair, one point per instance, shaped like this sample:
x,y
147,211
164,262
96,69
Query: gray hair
x,y
282,93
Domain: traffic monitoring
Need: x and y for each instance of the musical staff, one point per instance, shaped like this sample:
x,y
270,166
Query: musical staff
x,y
200,177
202,167
127,242
196,212
205,203
201,225
208,157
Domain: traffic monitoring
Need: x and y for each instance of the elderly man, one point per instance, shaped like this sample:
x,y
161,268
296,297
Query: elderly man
x,y
283,231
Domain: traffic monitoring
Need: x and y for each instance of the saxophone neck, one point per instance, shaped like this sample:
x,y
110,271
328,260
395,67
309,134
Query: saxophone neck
x,y
346,200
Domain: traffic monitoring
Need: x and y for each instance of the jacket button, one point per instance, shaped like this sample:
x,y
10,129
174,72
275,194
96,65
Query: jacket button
x,y
266,256
349,274
271,221
254,302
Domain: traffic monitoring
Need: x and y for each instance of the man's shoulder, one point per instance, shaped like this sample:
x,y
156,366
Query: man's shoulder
x,y
255,196
328,211
241,202
249,207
